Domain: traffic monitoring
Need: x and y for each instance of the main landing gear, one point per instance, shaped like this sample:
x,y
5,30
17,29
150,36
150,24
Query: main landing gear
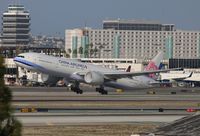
x,y
76,88
101,90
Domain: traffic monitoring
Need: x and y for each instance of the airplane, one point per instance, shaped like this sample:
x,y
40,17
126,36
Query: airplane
x,y
56,68
178,76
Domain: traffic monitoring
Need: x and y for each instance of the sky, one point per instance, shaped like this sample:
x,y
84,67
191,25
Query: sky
x,y
52,17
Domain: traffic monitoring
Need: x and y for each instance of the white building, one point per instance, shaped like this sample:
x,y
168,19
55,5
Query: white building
x,y
135,39
73,41
119,64
10,76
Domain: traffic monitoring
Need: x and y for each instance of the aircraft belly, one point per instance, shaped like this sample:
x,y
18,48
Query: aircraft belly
x,y
53,71
127,83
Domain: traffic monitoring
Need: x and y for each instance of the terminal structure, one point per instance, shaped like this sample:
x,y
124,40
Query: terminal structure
x,y
140,25
133,40
16,23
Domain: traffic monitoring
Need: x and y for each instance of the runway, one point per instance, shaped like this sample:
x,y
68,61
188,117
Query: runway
x,y
50,97
63,94
60,106
72,120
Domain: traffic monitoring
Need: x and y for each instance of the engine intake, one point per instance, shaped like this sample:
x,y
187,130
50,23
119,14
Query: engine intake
x,y
94,78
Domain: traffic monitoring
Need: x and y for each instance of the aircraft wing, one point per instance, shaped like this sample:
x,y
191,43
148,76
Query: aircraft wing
x,y
118,75
182,78
121,74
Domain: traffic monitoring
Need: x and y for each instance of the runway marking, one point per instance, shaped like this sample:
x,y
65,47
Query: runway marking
x,y
49,124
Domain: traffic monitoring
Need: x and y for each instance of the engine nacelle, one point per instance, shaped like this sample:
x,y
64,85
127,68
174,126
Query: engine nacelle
x,y
50,80
94,78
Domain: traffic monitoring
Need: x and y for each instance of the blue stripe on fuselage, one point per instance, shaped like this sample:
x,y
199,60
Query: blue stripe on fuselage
x,y
28,63
24,63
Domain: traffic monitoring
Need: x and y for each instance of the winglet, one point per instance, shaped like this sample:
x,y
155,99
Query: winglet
x,y
128,69
190,74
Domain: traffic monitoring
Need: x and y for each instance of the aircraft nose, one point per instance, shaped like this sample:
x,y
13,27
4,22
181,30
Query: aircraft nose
x,y
15,59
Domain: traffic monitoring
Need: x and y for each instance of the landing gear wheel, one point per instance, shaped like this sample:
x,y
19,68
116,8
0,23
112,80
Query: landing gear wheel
x,y
73,88
104,92
98,90
76,88
80,91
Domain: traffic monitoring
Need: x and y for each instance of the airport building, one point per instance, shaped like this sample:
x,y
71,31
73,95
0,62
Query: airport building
x,y
77,42
184,63
16,23
117,64
137,25
113,42
11,72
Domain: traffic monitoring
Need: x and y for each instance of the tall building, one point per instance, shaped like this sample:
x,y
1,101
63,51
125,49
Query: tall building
x,y
137,25
141,42
16,23
76,41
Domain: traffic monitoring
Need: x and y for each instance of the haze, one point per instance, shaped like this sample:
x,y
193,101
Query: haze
x,y
52,17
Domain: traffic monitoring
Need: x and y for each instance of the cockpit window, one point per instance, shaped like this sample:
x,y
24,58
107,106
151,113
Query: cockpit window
x,y
20,56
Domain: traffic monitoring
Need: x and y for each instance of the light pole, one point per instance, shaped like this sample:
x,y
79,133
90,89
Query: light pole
x,y
118,24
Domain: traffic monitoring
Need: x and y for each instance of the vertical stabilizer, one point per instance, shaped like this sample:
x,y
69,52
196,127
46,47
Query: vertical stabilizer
x,y
154,64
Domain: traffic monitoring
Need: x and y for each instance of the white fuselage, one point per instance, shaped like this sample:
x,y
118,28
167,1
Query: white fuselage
x,y
67,68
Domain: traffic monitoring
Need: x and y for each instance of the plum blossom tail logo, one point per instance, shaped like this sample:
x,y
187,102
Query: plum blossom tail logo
x,y
151,66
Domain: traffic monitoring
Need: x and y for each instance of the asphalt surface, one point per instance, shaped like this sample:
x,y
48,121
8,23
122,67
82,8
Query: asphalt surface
x,y
92,107
87,88
62,93
70,120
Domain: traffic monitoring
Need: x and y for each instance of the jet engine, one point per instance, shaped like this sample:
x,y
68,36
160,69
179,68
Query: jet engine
x,y
94,78
50,80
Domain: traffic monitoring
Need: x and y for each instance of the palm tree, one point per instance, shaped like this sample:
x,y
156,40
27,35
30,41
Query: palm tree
x,y
91,45
100,48
80,51
67,55
74,53
95,51
69,51
86,52
91,49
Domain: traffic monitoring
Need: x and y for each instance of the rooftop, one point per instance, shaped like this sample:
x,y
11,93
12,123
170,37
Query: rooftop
x,y
123,21
15,8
